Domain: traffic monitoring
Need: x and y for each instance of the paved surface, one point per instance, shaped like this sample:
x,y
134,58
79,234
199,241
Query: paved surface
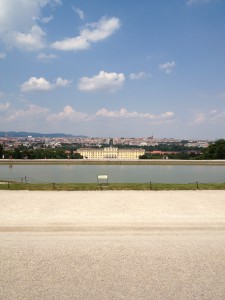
x,y
112,245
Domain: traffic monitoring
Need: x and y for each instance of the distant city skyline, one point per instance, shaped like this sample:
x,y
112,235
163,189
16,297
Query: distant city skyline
x,y
7,135
113,68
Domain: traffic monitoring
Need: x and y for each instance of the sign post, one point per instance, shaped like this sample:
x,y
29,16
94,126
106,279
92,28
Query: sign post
x,y
102,179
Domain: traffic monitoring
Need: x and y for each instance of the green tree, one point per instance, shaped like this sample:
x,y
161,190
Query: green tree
x,y
1,150
76,156
17,154
215,151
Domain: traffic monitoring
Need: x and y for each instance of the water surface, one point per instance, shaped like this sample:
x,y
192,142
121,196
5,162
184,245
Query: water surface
x,y
116,173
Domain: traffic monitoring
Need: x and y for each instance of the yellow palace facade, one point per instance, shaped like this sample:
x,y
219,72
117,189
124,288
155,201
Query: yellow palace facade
x,y
110,153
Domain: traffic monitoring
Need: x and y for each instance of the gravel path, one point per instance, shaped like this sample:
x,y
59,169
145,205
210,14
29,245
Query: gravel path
x,y
112,245
111,209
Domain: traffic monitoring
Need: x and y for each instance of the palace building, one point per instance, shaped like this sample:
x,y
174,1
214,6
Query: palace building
x,y
111,153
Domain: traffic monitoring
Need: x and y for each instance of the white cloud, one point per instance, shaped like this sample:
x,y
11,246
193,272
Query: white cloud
x,y
168,114
46,57
101,30
31,112
103,81
20,16
41,84
68,44
79,12
68,114
18,23
19,26
138,76
34,40
210,117
2,55
123,113
36,84
60,82
167,67
42,117
92,33
4,106
46,20
199,118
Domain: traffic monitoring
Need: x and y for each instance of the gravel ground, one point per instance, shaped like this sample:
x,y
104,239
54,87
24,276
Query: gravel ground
x,y
111,209
112,245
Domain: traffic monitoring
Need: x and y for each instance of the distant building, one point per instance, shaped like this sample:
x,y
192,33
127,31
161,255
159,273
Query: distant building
x,y
111,153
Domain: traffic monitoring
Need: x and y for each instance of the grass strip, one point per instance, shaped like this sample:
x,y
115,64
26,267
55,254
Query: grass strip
x,y
111,186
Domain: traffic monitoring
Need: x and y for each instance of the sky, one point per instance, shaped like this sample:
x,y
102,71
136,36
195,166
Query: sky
x,y
105,68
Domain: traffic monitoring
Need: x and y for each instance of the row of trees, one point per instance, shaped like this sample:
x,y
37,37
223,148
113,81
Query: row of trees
x,y
178,155
214,151
47,153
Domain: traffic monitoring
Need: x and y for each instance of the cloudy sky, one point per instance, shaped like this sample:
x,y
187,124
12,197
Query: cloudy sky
x,y
113,68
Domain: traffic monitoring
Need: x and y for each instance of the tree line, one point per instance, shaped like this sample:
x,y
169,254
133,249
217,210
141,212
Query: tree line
x,y
214,151
46,153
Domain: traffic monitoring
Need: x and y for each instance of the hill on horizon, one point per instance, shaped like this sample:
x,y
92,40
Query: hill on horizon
x,y
35,134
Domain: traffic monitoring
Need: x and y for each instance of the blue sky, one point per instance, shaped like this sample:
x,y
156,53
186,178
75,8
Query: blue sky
x,y
113,68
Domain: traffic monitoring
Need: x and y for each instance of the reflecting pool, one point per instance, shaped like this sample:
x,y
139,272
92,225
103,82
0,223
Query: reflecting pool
x,y
116,173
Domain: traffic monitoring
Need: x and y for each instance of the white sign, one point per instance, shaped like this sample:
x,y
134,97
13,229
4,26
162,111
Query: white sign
x,y
102,176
